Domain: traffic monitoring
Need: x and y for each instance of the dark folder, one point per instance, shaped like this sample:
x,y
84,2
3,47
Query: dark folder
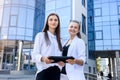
x,y
60,58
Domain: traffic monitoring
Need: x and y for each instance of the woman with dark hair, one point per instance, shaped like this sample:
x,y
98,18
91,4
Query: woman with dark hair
x,y
47,43
74,46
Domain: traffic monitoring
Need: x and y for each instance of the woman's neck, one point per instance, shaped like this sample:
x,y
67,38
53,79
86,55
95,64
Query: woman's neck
x,y
71,37
52,31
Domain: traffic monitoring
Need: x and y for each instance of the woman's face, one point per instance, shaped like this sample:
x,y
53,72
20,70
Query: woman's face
x,y
53,22
73,28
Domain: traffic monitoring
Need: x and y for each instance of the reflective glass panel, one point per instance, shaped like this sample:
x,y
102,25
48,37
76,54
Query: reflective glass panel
x,y
107,42
6,16
7,1
11,37
105,18
97,19
118,9
28,38
20,37
98,42
98,12
14,10
115,47
31,3
99,47
106,32
113,10
23,2
30,18
107,47
115,32
98,35
22,17
29,32
20,31
105,9
1,14
50,5
13,20
12,31
15,1
4,32
62,3
115,42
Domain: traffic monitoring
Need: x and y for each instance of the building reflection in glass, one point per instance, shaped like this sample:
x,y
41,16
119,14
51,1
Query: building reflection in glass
x,y
20,21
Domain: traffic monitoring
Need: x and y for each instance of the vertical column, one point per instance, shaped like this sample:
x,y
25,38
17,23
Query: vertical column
x,y
19,55
118,64
113,67
1,58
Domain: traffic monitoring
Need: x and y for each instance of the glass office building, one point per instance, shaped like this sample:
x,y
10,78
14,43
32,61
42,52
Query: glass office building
x,y
107,32
20,20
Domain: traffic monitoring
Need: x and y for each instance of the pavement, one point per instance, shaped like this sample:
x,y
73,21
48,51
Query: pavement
x,y
16,77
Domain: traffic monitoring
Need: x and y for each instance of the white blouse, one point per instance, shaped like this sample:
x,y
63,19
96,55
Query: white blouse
x,y
42,49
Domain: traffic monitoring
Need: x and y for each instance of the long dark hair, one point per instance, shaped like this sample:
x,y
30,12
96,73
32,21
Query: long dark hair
x,y
78,34
57,31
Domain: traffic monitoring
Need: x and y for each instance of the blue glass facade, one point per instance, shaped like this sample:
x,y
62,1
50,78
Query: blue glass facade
x,y
107,27
20,21
91,39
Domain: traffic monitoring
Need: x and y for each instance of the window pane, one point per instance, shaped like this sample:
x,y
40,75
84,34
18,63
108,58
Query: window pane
x,y
50,5
62,3
4,32
13,20
115,32
22,17
98,42
28,38
23,2
1,14
15,1
30,18
20,31
12,31
118,9
105,9
106,18
20,37
14,10
6,16
7,1
99,47
29,32
98,35
115,42
106,32
31,3
113,8
98,19
107,42
107,47
98,12
83,24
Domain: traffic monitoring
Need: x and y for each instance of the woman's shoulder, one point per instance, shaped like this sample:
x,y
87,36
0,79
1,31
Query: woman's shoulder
x,y
40,34
81,41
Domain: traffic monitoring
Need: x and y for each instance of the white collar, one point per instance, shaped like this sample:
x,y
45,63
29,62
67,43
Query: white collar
x,y
51,35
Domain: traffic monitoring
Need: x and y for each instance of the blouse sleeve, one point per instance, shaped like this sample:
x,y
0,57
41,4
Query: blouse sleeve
x,y
81,50
36,55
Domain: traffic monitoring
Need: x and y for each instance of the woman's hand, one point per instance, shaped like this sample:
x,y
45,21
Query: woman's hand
x,y
61,63
71,61
46,60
